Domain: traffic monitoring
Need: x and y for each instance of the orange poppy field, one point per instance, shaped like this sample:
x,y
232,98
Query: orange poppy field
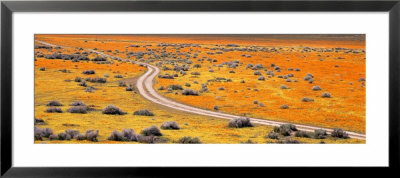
x,y
265,89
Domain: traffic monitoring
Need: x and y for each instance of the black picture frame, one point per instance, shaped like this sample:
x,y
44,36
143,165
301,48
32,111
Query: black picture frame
x,y
8,7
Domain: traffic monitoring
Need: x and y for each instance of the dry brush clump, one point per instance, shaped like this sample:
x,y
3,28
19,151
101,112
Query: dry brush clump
x,y
320,134
288,141
170,125
150,139
303,134
189,140
316,88
273,135
96,80
339,133
240,123
113,110
152,131
190,92
78,109
39,121
92,135
88,72
129,88
306,99
118,76
40,133
285,106
175,87
326,95
124,135
54,103
143,112
285,129
54,110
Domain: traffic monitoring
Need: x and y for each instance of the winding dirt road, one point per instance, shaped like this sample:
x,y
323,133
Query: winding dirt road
x,y
145,87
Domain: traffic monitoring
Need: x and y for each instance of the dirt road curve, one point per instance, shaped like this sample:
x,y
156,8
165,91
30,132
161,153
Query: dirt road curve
x,y
145,86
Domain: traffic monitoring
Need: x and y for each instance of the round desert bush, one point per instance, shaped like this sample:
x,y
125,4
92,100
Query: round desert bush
x,y
284,87
72,133
54,110
285,129
262,105
40,133
150,139
195,73
78,103
249,65
187,84
288,80
78,109
273,135
255,102
124,135
257,67
53,137
339,133
143,112
306,99
307,78
288,141
261,78
111,109
211,70
92,135
221,88
161,88
303,134
54,103
197,66
170,125
152,131
232,72
285,106
63,136
42,69
39,121
320,134
78,79
175,87
189,140
90,89
121,84
129,88
216,107
193,92
240,122
88,72
316,88
118,76
83,84
257,73
326,95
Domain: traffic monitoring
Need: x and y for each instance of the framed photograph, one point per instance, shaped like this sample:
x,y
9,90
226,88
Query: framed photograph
x,y
132,88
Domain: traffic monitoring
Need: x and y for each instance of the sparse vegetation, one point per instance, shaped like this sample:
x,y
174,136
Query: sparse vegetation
x,y
143,112
339,133
113,110
189,140
240,123
170,125
152,131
